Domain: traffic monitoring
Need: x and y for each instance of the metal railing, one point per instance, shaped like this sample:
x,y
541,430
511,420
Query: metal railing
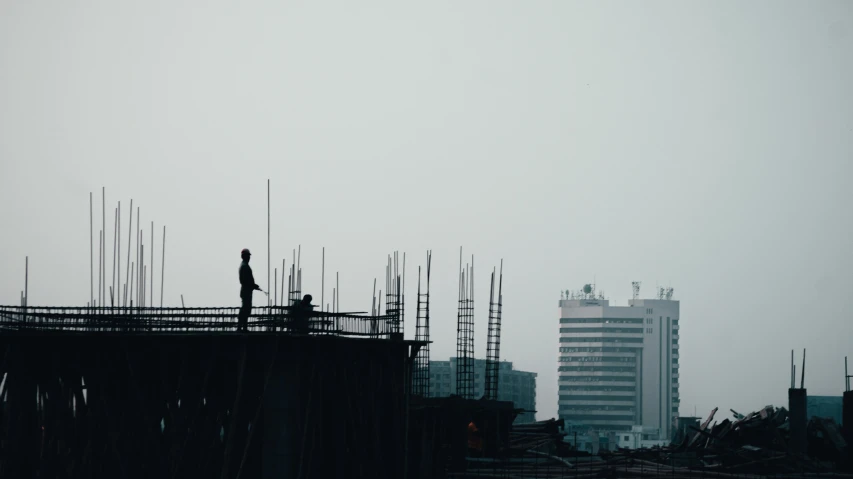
x,y
145,320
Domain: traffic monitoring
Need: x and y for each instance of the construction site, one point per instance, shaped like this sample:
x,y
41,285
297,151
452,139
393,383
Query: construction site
x,y
122,388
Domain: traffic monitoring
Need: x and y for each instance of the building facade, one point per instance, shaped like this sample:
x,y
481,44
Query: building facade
x,y
513,385
618,365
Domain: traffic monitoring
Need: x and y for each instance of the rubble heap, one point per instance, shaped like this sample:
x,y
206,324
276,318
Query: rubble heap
x,y
752,444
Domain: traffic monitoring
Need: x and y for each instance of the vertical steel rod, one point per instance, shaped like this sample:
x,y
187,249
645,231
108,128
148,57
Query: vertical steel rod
x,y
323,279
115,240
27,281
128,290
151,290
91,255
142,267
100,250
137,256
163,266
268,240
118,255
104,241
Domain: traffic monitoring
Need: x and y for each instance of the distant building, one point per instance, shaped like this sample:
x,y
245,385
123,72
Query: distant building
x,y
640,437
513,385
825,407
618,366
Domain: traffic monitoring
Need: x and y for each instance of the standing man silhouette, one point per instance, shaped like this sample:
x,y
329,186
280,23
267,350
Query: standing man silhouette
x,y
247,286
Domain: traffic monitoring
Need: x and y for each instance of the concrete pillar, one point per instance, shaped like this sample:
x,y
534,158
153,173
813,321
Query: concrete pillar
x,y
798,420
282,435
847,417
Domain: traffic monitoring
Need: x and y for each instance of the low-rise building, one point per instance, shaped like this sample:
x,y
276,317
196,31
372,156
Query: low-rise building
x,y
513,385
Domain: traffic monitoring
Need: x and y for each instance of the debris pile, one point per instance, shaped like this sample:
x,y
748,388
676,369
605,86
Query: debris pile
x,y
754,444
535,436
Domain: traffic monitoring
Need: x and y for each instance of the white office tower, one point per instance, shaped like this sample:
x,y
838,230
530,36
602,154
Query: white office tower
x,y
618,365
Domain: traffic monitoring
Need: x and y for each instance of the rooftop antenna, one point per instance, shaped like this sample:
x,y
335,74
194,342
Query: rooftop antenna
x,y
635,285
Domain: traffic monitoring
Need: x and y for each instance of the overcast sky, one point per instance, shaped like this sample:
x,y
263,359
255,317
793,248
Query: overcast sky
x,y
705,146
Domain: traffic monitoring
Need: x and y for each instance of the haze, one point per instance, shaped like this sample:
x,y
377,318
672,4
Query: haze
x,y
700,145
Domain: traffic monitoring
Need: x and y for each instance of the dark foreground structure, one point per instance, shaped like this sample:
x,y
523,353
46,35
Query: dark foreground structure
x,y
175,393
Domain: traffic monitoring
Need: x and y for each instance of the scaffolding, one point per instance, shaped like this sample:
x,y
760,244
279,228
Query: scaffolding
x,y
394,286
421,379
465,331
493,344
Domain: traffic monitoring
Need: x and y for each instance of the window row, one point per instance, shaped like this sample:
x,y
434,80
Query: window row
x,y
602,330
601,340
596,379
571,416
598,350
597,388
601,320
572,397
596,359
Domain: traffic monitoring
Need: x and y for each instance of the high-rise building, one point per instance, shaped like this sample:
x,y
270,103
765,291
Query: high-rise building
x,y
513,385
618,365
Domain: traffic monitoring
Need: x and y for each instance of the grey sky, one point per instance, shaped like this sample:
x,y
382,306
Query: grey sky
x,y
702,145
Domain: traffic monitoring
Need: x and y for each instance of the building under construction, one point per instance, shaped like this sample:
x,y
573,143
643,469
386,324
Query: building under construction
x,y
141,391
119,392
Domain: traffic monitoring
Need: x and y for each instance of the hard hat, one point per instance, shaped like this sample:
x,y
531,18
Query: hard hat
x,y
245,252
